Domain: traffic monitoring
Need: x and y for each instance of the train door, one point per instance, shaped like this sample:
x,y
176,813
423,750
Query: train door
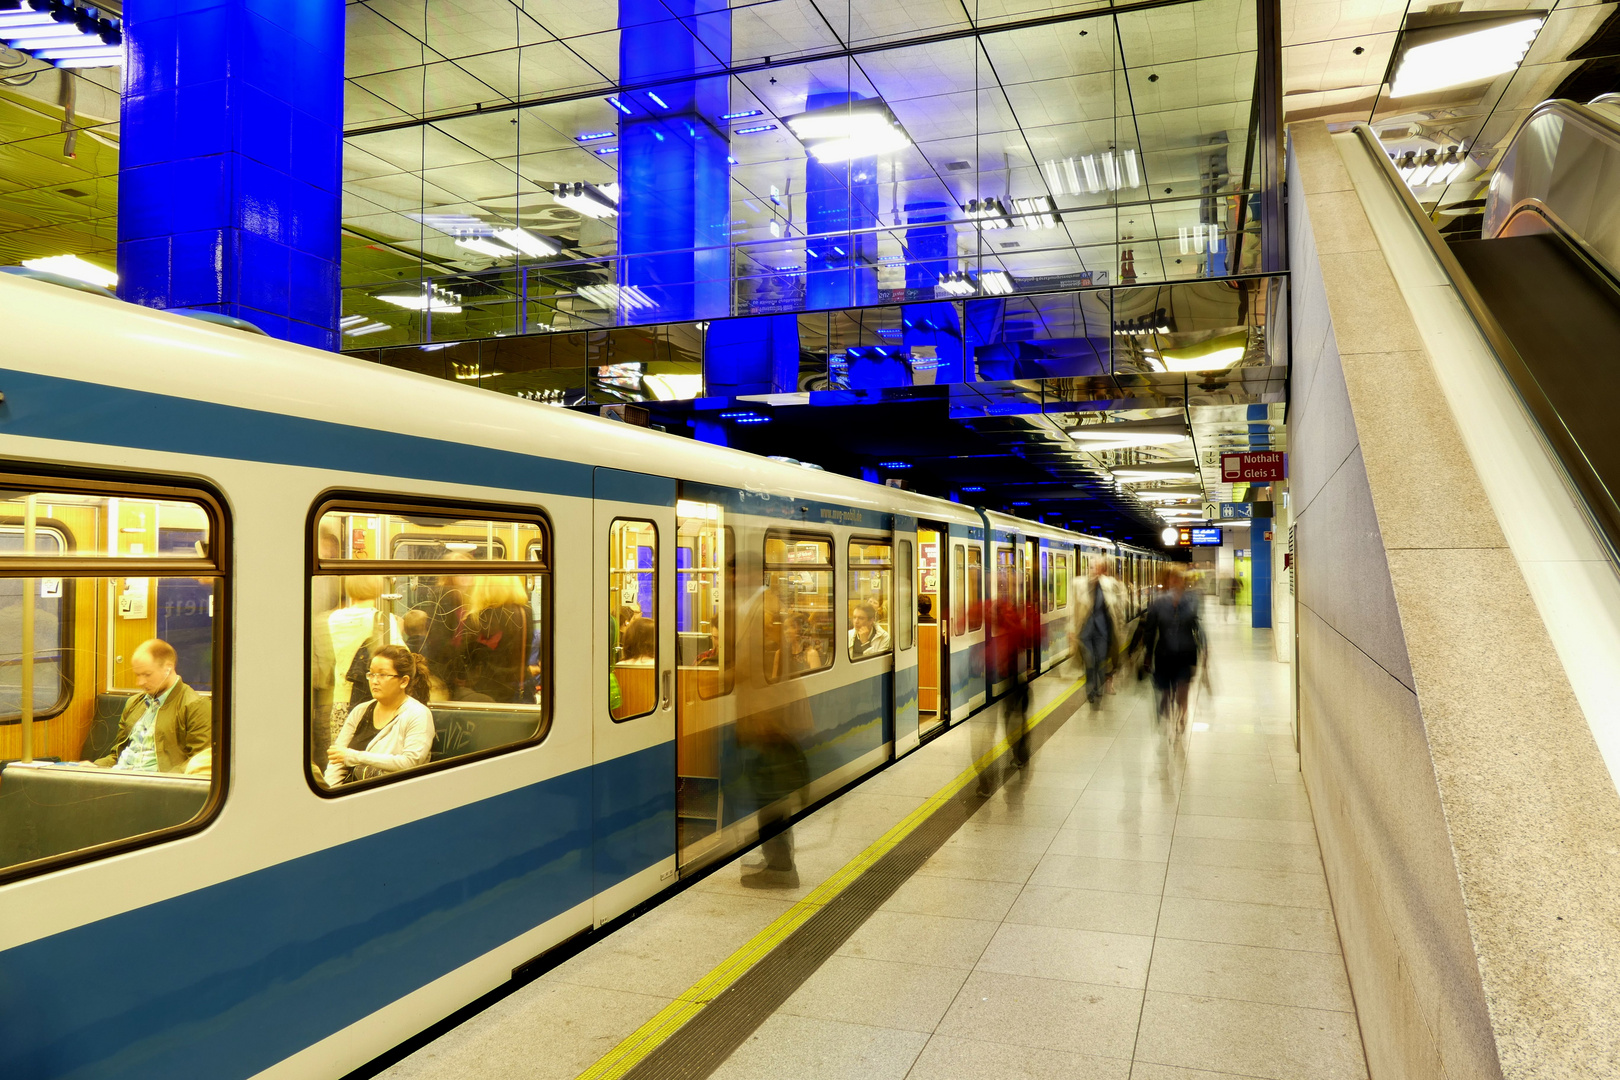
x,y
933,624
903,628
633,715
1003,594
705,668
1029,607
967,670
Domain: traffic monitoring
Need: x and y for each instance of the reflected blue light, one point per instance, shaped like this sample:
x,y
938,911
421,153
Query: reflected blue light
x,y
617,104
894,464
592,135
606,150
1020,504
973,487
662,104
755,128
742,115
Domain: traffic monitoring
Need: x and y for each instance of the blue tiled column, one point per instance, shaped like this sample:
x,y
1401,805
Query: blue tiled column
x,y
1259,546
674,167
229,189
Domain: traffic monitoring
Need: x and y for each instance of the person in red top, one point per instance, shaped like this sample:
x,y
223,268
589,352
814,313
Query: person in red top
x,y
1009,643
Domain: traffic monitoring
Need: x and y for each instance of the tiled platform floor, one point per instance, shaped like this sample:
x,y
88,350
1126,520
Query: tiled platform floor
x,y
1123,909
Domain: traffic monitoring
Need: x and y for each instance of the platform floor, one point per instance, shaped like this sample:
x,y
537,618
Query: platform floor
x,y
1121,909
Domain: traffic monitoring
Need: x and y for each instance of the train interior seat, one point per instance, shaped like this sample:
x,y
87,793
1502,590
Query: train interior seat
x,y
460,731
103,733
50,809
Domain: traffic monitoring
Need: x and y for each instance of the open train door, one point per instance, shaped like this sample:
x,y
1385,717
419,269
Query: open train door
x,y
632,702
904,633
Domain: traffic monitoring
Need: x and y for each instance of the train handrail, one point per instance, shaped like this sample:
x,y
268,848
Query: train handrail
x,y
1535,207
1595,498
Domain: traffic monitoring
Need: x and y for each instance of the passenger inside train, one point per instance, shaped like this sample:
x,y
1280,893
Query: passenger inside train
x,y
462,645
167,724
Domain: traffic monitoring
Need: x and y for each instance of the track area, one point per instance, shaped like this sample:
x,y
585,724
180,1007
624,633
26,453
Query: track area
x,y
1120,904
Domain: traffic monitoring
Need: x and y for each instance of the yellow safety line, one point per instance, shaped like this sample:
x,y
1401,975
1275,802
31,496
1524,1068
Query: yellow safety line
x,y
674,1016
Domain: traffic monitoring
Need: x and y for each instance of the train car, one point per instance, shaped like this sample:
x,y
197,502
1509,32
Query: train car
x,y
333,694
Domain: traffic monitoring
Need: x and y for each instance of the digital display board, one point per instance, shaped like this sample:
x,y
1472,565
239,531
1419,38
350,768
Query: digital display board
x,y
1206,537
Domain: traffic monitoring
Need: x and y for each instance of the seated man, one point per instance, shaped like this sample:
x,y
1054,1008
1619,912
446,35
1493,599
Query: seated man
x,y
166,725
866,636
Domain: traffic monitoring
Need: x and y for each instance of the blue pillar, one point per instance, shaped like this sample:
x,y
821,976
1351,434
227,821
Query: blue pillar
x,y
840,209
230,180
1260,547
674,167
928,247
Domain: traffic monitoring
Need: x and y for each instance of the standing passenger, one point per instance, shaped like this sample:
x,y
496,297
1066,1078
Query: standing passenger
x,y
1173,639
1098,622
495,641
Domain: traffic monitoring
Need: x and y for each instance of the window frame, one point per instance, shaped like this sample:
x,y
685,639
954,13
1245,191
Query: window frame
x,y
218,565
958,581
726,681
849,571
349,499
658,631
974,609
65,625
830,568
905,572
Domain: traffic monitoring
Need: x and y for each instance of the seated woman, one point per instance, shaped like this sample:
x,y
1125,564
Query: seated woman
x,y
395,727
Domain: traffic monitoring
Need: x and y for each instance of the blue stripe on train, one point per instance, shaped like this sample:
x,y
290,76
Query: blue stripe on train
x,y
230,979
47,407
967,676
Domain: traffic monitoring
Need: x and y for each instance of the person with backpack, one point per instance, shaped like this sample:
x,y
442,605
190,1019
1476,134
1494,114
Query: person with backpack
x,y
1173,642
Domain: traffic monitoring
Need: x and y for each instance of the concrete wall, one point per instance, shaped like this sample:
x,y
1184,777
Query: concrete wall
x,y
1467,824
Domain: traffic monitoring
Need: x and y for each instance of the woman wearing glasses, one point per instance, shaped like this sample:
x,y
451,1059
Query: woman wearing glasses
x,y
395,727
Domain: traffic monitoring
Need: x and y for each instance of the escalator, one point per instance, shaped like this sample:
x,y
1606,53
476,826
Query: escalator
x,y
1543,286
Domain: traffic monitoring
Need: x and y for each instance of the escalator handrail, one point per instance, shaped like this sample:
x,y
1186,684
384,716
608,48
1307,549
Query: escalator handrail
x,y
1600,125
1594,496
1557,224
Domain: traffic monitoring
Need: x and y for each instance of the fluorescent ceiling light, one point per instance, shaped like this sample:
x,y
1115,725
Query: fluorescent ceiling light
x,y
71,266
842,132
592,200
996,282
1462,56
1218,360
674,387
12,19
438,301
537,247
485,247
1147,473
989,213
1038,213
48,32
99,51
611,296
90,61
957,284
1122,434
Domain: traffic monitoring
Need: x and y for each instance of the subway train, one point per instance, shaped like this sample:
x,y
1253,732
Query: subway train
x,y
218,552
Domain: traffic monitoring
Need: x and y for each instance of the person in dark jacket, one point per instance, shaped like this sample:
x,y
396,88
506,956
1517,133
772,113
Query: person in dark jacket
x,y
1173,641
164,726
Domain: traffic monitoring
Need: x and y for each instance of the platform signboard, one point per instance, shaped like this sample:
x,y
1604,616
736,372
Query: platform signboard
x,y
1236,510
1253,466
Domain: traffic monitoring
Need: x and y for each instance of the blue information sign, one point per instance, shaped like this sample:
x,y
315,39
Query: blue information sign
x,y
1229,511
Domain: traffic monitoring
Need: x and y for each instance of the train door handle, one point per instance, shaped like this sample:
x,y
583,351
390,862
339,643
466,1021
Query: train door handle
x,y
669,696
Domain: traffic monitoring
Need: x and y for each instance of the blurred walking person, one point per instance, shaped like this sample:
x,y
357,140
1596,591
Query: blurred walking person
x,y
1097,623
1010,636
1173,641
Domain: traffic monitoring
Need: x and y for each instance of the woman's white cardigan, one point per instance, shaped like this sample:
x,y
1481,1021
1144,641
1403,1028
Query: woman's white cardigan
x,y
405,743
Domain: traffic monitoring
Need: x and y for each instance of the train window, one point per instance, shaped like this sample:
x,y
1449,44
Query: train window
x,y
905,607
110,704
959,604
1060,583
1046,581
633,630
798,621
428,638
975,587
871,584
705,600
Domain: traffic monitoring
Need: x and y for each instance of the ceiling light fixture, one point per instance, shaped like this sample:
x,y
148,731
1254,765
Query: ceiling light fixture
x,y
1217,354
1169,537
754,129
996,282
1461,54
1120,434
64,34
592,136
613,296
360,326
537,247
1038,213
1425,169
617,104
741,115
1155,322
71,266
1150,472
989,213
957,284
592,200
837,133
657,100
437,301
485,246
